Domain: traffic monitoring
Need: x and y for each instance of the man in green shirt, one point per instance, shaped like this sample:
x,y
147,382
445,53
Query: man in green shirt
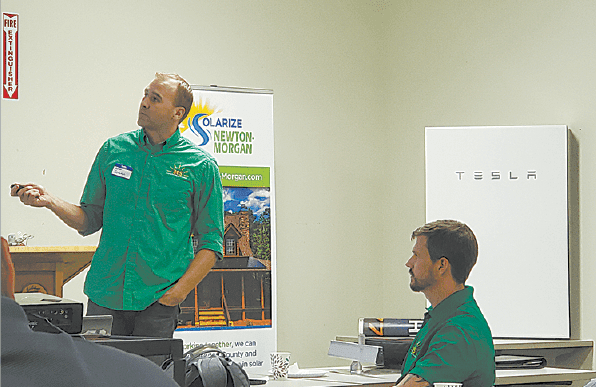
x,y
455,343
148,190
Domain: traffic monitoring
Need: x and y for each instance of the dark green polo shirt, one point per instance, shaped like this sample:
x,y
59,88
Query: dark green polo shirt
x,y
148,200
455,345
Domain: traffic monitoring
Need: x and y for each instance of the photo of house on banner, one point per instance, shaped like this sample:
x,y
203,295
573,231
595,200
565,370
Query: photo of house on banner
x,y
237,291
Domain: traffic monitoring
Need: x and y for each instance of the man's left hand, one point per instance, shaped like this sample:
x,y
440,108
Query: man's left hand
x,y
198,269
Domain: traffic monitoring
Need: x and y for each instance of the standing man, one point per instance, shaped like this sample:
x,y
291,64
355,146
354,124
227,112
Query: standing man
x,y
150,190
455,344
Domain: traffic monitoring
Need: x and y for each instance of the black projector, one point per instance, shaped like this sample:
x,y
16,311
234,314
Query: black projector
x,y
47,313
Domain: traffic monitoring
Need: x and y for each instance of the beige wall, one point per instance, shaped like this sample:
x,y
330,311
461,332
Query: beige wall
x,y
521,62
355,83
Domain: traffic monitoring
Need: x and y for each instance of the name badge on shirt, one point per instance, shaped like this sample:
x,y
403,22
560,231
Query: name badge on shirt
x,y
123,171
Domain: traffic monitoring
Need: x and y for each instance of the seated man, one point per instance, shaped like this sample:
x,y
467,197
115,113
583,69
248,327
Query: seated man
x,y
455,343
47,359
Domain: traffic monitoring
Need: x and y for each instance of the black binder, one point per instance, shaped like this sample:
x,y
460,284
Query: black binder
x,y
508,362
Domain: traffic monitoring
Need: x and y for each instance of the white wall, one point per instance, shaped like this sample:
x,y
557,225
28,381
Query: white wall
x,y
355,83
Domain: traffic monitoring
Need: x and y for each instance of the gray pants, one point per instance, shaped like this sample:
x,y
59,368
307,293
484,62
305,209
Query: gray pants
x,y
156,320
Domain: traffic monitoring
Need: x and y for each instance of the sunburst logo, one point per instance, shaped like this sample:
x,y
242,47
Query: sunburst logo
x,y
178,170
415,349
193,120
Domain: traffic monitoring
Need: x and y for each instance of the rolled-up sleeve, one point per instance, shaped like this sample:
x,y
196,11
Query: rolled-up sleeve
x,y
208,208
94,195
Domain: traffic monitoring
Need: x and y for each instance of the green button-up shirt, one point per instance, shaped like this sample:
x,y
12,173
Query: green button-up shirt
x,y
455,345
148,200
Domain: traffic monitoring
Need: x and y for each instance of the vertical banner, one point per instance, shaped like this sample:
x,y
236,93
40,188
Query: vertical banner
x,y
509,184
10,56
234,306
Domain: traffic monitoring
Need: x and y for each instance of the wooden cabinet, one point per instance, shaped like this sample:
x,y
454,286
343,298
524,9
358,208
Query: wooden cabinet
x,y
569,362
572,354
45,269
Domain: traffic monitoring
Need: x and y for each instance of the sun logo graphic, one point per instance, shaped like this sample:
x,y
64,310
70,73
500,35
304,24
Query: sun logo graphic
x,y
194,119
178,170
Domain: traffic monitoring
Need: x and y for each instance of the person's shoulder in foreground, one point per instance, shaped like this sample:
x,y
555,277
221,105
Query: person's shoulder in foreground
x,y
56,359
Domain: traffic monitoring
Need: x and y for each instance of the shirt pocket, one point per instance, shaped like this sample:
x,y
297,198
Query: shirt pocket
x,y
120,192
171,199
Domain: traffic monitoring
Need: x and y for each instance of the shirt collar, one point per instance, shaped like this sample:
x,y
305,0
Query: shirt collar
x,y
451,303
170,142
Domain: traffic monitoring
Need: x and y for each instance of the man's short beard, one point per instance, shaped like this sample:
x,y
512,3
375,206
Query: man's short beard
x,y
416,287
